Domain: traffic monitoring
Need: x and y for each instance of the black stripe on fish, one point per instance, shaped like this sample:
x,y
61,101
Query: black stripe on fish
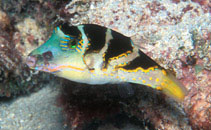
x,y
142,61
96,34
120,44
70,30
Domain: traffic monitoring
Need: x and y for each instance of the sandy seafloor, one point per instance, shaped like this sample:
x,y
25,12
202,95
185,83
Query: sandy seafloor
x,y
39,111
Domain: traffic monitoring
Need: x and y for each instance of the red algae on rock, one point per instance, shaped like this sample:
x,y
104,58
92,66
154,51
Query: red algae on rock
x,y
23,27
15,76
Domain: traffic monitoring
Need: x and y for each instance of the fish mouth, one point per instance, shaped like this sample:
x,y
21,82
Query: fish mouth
x,y
43,62
57,68
49,67
31,61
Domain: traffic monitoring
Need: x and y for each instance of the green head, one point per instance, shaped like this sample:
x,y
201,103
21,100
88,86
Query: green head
x,y
61,53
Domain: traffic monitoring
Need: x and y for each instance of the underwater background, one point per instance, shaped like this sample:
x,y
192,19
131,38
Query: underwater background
x,y
175,33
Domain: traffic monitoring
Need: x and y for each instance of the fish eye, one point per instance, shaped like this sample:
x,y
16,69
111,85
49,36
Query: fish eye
x,y
73,43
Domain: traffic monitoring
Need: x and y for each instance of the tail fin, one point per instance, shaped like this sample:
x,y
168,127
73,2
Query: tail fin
x,y
172,87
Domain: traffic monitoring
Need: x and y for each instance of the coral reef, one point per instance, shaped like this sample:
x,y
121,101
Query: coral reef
x,y
24,25
15,76
44,11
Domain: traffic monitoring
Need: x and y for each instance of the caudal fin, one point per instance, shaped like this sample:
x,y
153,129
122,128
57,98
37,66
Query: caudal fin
x,y
173,88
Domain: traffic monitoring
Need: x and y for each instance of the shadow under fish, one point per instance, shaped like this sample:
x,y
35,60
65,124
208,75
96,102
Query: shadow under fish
x,y
94,106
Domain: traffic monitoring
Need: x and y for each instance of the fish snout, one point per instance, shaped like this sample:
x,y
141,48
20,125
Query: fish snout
x,y
39,59
31,61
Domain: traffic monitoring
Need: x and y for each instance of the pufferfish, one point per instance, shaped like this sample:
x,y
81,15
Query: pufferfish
x,y
93,54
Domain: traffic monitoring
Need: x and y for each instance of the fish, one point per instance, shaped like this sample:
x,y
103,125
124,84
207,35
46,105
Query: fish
x,y
93,54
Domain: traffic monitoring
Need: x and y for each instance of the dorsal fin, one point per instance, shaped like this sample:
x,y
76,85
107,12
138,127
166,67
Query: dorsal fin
x,y
136,42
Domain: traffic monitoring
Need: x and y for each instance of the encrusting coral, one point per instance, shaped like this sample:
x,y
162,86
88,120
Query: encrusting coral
x,y
21,31
15,76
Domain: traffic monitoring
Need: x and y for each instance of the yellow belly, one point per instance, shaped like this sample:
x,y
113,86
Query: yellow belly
x,y
77,76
